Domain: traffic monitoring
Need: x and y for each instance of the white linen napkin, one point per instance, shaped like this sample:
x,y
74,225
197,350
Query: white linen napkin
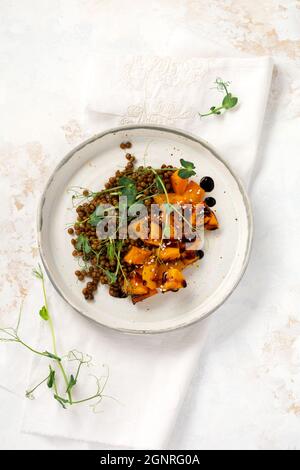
x,y
149,375
164,90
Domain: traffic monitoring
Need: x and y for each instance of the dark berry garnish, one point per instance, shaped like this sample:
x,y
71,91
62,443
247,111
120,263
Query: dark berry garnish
x,y
207,183
210,201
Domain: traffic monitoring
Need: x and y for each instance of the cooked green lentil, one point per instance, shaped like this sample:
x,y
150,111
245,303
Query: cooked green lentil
x,y
98,266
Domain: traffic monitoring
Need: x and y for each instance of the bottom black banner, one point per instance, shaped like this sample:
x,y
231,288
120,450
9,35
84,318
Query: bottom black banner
x,y
136,459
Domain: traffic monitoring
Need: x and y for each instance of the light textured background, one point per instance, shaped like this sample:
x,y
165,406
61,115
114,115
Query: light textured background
x,y
246,392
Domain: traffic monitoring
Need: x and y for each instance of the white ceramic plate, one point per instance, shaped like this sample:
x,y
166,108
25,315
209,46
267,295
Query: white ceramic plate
x,y
210,281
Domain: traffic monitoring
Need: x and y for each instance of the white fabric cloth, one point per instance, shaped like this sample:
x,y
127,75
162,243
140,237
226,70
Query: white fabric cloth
x,y
149,376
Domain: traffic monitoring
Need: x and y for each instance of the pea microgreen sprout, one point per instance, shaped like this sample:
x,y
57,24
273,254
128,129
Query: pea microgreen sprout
x,y
187,169
229,101
56,369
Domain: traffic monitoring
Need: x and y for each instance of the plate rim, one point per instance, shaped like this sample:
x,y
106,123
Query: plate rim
x,y
172,130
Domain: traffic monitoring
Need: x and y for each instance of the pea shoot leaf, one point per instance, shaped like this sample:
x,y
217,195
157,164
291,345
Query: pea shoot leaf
x,y
159,184
51,378
187,165
82,244
110,276
129,189
184,173
71,383
44,313
187,169
229,101
94,218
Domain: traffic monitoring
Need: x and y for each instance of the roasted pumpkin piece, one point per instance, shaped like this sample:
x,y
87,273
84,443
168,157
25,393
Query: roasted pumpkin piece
x,y
149,274
137,255
168,252
135,285
154,235
171,225
155,230
172,198
178,264
151,242
194,193
138,228
179,185
197,218
176,227
189,261
189,257
210,219
139,298
172,280
175,232
159,199
153,239
161,269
